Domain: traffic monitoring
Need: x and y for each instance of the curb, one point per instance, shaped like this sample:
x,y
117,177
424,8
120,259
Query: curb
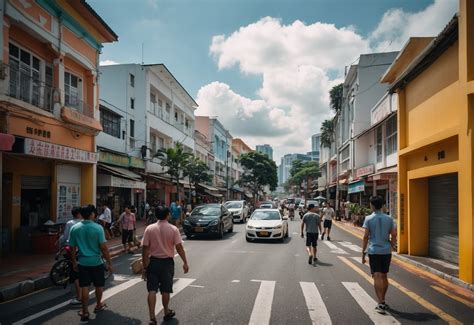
x,y
418,265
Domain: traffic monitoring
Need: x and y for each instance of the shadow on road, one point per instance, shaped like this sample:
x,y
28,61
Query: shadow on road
x,y
415,317
319,263
271,241
110,317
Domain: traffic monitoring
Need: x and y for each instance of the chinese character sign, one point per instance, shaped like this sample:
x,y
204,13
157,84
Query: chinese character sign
x,y
68,197
56,151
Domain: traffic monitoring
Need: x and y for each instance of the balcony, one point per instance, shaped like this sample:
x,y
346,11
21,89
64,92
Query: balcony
x,y
73,101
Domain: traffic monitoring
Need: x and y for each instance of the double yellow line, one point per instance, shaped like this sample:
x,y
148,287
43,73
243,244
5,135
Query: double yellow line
x,y
440,313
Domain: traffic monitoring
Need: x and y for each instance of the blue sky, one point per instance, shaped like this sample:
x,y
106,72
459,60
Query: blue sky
x,y
240,65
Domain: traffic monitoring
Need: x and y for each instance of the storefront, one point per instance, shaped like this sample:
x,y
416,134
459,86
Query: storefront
x,y
385,185
159,190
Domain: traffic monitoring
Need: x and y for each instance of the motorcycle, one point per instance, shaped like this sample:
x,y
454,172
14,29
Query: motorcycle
x,y
291,211
115,229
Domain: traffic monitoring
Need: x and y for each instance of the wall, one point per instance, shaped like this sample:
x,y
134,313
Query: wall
x,y
364,154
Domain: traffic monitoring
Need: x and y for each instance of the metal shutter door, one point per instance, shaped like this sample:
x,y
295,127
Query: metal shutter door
x,y
35,182
443,217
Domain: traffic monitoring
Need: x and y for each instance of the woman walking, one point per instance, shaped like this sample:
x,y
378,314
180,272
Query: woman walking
x,y
128,222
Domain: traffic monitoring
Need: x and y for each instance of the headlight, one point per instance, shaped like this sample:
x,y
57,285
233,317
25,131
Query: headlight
x,y
250,227
186,222
214,222
278,227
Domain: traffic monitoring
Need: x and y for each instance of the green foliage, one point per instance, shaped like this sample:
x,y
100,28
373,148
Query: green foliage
x,y
335,98
197,171
259,171
307,170
327,133
296,166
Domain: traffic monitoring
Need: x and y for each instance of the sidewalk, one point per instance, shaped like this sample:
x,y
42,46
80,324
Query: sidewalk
x,y
427,267
23,274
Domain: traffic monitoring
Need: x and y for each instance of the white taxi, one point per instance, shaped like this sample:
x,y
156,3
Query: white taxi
x,y
266,224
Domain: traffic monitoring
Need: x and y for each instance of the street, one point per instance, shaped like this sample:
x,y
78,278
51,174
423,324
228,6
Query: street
x,y
235,282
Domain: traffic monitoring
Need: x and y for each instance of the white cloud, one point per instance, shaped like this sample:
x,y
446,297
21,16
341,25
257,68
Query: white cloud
x,y
108,62
397,25
295,62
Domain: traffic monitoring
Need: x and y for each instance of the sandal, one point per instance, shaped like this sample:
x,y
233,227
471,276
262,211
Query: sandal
x,y
152,322
100,308
84,317
169,315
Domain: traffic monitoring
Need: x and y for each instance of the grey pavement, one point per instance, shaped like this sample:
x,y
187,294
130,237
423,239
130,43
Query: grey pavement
x,y
235,282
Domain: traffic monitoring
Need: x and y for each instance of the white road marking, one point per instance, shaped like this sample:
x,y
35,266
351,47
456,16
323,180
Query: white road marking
x,y
107,294
368,304
295,233
235,281
196,286
351,246
180,284
316,307
297,255
334,248
262,309
233,242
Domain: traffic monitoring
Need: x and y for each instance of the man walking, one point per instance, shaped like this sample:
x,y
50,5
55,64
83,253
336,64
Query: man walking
x,y
64,240
312,221
328,215
380,236
89,240
128,221
175,212
159,242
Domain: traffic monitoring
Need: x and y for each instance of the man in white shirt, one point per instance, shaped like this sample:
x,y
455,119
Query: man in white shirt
x,y
106,220
328,215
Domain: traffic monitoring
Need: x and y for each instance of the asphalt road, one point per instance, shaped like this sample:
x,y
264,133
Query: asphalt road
x,y
235,282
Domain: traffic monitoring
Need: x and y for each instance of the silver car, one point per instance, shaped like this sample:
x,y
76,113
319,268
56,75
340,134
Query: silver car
x,y
238,209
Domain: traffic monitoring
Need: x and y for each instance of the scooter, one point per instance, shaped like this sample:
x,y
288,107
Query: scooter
x,y
115,229
291,213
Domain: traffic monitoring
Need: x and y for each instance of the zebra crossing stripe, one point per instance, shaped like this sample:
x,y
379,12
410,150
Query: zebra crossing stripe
x,y
180,284
317,309
351,246
367,304
334,249
262,309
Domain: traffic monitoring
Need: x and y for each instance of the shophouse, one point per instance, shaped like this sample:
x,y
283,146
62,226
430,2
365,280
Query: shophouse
x,y
205,192
435,91
161,114
239,147
48,112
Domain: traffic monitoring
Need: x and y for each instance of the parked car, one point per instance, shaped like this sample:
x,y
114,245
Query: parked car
x,y
266,205
208,219
239,210
266,224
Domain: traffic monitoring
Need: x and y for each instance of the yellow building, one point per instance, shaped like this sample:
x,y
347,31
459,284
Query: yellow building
x,y
435,86
49,114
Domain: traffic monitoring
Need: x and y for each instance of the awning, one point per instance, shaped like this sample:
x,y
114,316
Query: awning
x,y
356,187
122,172
237,189
213,194
208,187
158,178
115,181
222,189
384,174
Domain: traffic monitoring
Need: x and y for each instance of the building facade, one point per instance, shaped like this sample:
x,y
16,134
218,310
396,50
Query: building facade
x,y
287,162
49,112
266,149
435,104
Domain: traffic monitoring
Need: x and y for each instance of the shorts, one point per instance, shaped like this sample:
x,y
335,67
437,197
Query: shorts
x,y
73,276
327,224
127,236
91,274
311,239
379,263
159,275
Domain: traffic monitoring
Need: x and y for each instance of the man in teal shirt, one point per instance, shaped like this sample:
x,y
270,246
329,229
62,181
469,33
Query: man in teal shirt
x,y
88,238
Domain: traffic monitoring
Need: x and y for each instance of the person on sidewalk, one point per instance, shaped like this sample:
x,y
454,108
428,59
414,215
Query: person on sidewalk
x,y
89,239
129,224
105,220
159,242
328,215
381,237
312,221
175,212
64,240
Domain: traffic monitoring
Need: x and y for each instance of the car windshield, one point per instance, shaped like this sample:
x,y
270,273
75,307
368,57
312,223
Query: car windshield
x,y
265,215
206,211
233,205
265,206
312,202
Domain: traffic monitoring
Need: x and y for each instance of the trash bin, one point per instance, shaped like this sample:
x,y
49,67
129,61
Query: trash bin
x,y
44,243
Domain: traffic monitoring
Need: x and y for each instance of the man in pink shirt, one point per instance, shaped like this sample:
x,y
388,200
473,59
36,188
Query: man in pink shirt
x,y
159,242
128,222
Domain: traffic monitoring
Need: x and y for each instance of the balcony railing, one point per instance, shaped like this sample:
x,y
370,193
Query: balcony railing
x,y
30,89
72,101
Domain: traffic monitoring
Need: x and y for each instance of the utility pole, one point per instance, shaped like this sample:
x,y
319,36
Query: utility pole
x,y
227,175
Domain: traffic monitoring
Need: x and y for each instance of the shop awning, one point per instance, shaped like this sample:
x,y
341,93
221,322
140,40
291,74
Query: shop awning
x,y
213,194
384,174
356,187
122,172
208,187
158,178
104,180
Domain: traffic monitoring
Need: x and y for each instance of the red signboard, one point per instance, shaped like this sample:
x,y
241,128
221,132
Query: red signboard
x,y
367,170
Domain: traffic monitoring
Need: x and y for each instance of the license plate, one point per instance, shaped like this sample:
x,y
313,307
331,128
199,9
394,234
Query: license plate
x,y
199,229
264,233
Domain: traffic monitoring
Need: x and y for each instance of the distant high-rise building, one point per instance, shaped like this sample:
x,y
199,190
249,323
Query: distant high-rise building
x,y
287,162
265,149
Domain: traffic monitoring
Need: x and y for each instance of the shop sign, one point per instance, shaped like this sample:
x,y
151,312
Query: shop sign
x,y
356,187
126,183
68,197
113,159
38,132
50,150
364,171
136,162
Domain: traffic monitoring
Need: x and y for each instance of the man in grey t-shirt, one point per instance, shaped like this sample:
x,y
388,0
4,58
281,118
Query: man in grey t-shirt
x,y
312,221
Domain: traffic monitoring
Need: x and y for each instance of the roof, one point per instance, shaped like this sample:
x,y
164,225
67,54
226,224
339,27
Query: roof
x,y
163,66
437,46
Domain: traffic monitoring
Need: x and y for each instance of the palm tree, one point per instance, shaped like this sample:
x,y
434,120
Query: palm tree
x,y
327,133
335,98
175,161
197,172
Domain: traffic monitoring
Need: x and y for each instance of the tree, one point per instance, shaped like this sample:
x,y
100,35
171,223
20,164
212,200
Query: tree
x,y
197,172
175,160
296,166
335,98
259,171
308,171
327,133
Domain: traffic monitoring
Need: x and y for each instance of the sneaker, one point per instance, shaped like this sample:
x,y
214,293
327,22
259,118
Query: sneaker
x,y
329,238
310,260
380,309
75,301
384,306
322,237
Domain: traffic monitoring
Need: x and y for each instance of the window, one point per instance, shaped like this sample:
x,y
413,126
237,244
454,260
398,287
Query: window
x,y
132,129
110,122
391,136
71,90
132,80
153,143
345,153
161,143
378,143
176,116
132,103
160,102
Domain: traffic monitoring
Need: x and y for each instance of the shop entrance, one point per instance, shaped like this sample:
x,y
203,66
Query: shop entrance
x,y
35,200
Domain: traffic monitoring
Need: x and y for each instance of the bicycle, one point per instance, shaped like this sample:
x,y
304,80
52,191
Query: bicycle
x,y
61,270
